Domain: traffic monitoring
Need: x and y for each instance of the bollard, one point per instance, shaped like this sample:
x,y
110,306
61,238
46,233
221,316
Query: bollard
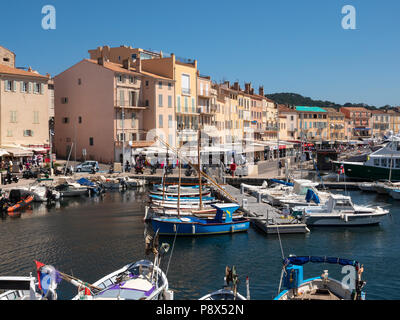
x,y
244,204
259,197
241,188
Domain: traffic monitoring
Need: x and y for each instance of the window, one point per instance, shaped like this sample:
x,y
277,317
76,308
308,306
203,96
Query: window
x,y
147,83
384,162
79,119
64,100
159,84
36,117
6,59
131,80
133,120
169,121
160,100
160,121
28,133
185,84
169,101
13,116
91,142
146,103
9,85
79,81
24,86
65,120
9,133
169,85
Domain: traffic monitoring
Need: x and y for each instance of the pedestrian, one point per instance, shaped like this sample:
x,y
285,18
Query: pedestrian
x,y
233,168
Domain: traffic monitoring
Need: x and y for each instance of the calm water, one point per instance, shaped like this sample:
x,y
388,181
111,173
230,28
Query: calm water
x,y
91,237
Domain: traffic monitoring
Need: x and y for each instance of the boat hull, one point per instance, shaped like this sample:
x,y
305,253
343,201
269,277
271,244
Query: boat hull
x,y
362,171
166,227
339,221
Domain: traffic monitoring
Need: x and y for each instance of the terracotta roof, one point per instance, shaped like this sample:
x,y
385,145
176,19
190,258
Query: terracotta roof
x,y
119,68
18,72
283,108
356,109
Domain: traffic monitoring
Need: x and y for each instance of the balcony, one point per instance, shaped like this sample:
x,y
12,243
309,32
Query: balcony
x,y
126,104
186,91
205,110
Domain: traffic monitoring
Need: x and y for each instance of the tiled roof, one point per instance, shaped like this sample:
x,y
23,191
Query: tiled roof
x,y
119,68
18,72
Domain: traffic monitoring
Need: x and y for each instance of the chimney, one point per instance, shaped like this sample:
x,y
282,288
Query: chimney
x,y
100,61
29,69
251,91
138,65
236,86
227,83
126,64
247,87
261,91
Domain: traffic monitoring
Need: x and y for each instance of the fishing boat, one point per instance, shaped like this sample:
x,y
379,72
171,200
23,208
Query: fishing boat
x,y
182,199
191,225
381,164
322,287
141,280
340,211
184,193
228,292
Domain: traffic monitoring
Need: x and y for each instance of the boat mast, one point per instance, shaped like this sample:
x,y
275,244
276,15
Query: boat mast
x,y
391,161
179,183
198,163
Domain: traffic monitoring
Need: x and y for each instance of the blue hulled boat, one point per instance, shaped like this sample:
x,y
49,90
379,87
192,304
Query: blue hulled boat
x,y
182,199
191,225
322,287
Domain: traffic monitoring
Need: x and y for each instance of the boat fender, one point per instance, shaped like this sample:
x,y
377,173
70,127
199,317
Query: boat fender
x,y
346,218
175,228
193,229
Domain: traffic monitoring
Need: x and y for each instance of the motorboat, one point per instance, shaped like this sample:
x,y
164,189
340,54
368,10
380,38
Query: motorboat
x,y
133,183
40,193
339,210
71,189
321,287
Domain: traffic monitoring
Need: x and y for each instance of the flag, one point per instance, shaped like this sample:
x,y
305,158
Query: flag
x,y
47,276
342,169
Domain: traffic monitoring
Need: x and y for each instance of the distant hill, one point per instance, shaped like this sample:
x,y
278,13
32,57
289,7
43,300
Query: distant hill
x,y
298,100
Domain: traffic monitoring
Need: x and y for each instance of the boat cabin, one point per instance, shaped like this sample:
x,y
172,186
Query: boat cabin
x,y
301,186
339,203
387,157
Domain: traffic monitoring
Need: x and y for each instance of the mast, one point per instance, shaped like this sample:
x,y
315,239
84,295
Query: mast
x,y
198,161
179,185
391,161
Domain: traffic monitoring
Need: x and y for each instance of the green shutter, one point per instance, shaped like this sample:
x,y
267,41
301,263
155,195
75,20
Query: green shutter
x,y
14,86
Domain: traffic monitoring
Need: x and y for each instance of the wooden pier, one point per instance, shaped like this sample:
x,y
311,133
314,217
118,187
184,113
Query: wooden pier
x,y
263,215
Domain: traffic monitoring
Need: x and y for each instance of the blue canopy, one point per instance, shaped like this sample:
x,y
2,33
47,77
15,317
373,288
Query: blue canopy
x,y
282,182
85,182
304,259
311,195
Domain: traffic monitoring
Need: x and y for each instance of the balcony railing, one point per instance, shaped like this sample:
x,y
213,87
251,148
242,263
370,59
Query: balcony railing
x,y
186,91
129,104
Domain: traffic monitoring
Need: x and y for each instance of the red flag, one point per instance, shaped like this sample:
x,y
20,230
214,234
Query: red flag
x,y
38,266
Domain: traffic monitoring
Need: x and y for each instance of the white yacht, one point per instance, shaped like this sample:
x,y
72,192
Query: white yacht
x,y
340,211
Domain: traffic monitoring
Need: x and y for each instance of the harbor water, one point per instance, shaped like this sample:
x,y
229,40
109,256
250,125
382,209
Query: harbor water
x,y
91,237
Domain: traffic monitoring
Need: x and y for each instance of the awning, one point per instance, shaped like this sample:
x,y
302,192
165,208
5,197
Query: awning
x,y
18,152
3,153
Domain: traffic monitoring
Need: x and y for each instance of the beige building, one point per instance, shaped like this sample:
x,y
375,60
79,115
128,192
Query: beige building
x,y
24,108
336,124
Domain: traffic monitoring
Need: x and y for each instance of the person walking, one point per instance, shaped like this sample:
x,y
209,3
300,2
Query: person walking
x,y
233,168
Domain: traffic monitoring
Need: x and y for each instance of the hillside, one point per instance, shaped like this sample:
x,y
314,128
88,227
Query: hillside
x,y
298,100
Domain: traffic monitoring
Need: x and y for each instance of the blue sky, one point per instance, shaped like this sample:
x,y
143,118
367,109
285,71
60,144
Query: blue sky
x,y
287,45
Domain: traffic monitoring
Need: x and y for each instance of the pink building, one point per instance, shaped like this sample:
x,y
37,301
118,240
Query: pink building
x,y
103,108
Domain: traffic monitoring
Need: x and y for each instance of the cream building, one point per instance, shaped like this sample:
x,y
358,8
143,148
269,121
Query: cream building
x,y
24,108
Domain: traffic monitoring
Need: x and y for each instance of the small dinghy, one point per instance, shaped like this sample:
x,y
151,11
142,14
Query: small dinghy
x,y
18,202
322,287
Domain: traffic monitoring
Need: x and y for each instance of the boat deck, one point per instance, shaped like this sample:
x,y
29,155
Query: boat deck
x,y
317,295
263,215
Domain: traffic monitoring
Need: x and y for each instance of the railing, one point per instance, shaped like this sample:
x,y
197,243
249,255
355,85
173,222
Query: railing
x,y
186,91
129,104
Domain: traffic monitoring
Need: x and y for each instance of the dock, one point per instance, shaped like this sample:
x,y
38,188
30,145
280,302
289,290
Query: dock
x,y
264,216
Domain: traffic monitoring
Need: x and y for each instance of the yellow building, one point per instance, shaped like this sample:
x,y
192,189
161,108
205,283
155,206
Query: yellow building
x,y
336,125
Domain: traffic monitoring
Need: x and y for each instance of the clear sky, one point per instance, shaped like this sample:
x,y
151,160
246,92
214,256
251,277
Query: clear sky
x,y
287,45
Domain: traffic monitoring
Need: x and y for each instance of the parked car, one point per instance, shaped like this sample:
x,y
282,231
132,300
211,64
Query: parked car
x,y
87,166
